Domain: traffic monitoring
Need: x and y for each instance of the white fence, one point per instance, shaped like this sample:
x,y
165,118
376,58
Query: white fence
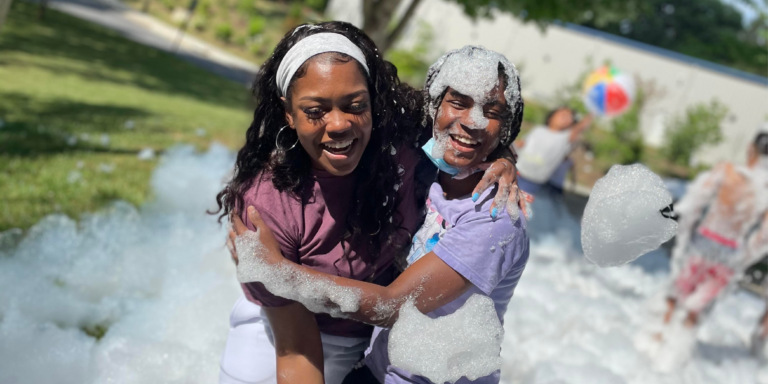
x,y
553,59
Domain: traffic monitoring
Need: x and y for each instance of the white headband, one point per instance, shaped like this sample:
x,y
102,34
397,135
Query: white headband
x,y
311,46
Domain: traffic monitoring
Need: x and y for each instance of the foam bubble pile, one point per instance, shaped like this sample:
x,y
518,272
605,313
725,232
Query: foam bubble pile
x,y
125,295
573,322
472,72
623,218
143,295
317,294
465,343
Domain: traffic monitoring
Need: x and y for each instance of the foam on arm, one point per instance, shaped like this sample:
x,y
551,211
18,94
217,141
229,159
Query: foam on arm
x,y
429,281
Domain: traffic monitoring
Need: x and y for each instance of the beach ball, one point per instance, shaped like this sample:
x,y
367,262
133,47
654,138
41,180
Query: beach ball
x,y
608,91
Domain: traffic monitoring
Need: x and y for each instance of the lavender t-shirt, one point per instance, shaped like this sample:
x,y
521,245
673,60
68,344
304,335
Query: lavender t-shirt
x,y
491,254
310,230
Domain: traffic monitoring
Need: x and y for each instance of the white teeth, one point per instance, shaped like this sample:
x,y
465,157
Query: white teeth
x,y
339,144
464,140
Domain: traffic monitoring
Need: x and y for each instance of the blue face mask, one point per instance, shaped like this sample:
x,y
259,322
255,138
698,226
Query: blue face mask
x,y
439,163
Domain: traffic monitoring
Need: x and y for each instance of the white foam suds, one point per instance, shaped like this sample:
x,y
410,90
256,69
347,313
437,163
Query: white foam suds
x,y
161,281
573,322
472,72
463,344
623,219
319,295
157,279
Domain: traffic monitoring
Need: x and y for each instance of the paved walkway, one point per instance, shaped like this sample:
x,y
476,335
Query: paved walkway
x,y
147,30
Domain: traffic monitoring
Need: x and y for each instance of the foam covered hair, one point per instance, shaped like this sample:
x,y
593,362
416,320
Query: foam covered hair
x,y
433,95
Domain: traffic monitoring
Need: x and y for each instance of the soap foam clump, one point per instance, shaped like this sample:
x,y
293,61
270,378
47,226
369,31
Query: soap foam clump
x,y
472,72
465,343
319,295
622,219
123,295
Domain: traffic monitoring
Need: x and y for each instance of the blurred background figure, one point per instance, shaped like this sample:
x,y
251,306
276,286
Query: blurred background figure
x,y
722,231
543,153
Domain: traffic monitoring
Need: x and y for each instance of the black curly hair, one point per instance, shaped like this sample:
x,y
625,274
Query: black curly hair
x,y
396,110
761,143
550,114
512,116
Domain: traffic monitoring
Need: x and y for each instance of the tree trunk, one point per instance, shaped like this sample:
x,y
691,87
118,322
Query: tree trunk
x,y
42,8
401,24
5,7
376,18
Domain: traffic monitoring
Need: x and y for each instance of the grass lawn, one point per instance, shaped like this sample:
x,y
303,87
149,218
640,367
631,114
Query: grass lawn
x,y
79,102
246,28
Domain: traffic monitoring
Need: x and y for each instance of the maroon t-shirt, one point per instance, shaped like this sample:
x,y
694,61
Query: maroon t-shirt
x,y
310,234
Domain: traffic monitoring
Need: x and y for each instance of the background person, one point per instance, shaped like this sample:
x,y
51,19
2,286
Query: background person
x,y
543,153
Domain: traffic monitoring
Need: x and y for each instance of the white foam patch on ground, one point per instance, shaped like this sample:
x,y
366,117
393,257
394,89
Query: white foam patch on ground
x,y
158,280
573,322
162,282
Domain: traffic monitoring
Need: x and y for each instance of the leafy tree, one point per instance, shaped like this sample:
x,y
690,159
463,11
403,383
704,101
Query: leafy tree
x,y
412,64
698,127
707,29
224,32
5,6
380,24
317,5
256,25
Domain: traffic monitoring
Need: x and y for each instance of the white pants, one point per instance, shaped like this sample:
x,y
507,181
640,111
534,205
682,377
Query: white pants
x,y
249,357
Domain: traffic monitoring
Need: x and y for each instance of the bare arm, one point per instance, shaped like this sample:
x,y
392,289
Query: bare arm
x,y
297,344
579,128
429,281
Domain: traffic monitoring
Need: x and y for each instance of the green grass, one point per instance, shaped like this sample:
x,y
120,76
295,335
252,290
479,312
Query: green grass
x,y
236,16
66,86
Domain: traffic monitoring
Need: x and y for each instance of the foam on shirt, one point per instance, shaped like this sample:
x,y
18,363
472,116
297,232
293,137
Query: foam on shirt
x,y
465,343
319,295
622,219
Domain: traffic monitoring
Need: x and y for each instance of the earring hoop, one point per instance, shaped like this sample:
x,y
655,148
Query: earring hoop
x,y
277,139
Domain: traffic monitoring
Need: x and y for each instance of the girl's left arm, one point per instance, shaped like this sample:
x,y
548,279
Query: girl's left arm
x,y
430,282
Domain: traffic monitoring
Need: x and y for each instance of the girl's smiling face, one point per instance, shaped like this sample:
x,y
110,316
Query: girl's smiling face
x,y
330,109
468,147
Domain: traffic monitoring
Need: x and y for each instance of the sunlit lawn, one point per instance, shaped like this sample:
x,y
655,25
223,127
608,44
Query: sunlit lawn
x,y
79,102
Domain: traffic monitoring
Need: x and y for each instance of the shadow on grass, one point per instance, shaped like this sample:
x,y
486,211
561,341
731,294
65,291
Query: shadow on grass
x,y
60,35
60,126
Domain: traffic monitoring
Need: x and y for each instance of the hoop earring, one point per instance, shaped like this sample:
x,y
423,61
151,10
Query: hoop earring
x,y
277,139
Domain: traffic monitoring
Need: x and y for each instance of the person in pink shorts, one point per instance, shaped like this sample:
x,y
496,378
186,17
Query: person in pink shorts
x,y
722,231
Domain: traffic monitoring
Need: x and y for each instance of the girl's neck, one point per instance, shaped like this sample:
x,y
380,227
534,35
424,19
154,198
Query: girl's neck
x,y
455,188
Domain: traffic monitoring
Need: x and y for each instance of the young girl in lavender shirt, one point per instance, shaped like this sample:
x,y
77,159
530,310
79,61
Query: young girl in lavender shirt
x,y
459,250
